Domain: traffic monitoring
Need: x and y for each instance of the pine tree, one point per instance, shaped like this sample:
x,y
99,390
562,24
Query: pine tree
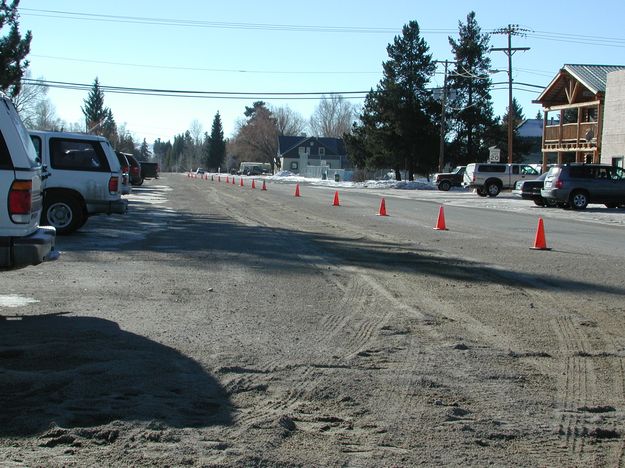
x,y
144,151
471,114
13,49
216,147
398,127
99,119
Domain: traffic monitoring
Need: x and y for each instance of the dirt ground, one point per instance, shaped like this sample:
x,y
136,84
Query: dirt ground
x,y
216,326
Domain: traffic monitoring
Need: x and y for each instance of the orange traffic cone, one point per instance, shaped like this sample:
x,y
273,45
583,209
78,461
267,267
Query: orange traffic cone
x,y
336,199
264,186
241,184
540,242
296,190
253,184
219,178
382,211
227,179
440,222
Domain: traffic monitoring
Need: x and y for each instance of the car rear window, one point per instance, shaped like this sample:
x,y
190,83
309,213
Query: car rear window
x,y
491,168
580,172
78,155
5,156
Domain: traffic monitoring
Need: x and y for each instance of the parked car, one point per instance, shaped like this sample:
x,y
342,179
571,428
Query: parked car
x,y
82,178
577,185
149,170
136,178
530,190
124,183
490,178
199,171
23,241
446,180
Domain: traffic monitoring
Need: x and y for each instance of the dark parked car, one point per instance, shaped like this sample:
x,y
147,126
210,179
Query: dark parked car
x,y
149,170
446,180
577,185
136,178
530,190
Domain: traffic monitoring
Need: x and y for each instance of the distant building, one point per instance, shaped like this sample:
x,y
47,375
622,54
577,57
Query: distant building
x,y
311,156
573,105
613,151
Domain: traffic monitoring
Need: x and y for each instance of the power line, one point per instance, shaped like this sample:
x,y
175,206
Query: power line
x,y
212,70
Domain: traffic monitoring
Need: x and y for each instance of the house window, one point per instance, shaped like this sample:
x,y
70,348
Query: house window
x,y
617,162
322,151
294,165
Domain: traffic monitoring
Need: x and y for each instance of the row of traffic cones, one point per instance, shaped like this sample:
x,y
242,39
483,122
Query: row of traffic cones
x,y
540,240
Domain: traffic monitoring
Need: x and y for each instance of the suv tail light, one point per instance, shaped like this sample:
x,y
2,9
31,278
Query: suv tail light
x,y
558,184
113,185
20,201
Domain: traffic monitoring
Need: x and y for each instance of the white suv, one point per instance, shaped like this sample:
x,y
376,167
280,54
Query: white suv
x,y
22,241
82,178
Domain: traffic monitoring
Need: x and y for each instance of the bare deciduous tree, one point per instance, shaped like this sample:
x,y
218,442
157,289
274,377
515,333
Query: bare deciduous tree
x,y
257,137
288,121
29,99
333,117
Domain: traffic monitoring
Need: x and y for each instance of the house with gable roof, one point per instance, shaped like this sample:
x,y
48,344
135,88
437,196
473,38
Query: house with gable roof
x,y
573,113
299,154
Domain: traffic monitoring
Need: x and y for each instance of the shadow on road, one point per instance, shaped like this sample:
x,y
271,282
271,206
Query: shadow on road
x,y
84,372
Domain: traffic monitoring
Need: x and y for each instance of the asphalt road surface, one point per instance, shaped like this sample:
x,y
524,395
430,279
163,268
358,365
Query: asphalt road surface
x,y
220,325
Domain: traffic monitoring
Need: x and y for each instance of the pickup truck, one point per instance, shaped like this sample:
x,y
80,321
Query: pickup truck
x,y
82,178
490,178
446,180
23,241
149,170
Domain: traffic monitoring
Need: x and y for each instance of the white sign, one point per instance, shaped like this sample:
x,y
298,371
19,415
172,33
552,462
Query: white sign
x,y
494,155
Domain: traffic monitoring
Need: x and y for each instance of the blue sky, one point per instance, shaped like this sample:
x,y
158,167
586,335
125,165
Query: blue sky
x,y
284,46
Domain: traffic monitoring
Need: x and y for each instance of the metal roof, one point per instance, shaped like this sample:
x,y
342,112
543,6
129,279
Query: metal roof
x,y
594,77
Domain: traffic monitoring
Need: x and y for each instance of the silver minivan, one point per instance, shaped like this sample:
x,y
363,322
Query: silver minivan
x,y
22,241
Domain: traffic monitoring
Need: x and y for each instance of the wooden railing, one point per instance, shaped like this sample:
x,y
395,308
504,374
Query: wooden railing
x,y
571,133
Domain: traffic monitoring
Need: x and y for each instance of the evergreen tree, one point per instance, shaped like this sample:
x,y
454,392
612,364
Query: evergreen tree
x,y
216,145
99,119
13,49
398,127
471,111
144,151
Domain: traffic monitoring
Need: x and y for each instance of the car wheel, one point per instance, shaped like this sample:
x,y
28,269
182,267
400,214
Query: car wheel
x,y
444,186
493,189
578,200
481,192
539,202
66,214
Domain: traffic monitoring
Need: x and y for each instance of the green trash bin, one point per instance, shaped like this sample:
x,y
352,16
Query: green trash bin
x,y
337,177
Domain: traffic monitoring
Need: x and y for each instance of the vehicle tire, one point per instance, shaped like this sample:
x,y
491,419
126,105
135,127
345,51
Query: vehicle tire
x,y
481,192
65,213
539,202
493,188
444,185
139,182
578,200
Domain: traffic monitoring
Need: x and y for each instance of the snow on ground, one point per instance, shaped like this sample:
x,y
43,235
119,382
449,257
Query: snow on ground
x,y
423,189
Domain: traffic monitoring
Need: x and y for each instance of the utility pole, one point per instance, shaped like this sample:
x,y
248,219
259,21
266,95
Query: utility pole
x,y
441,153
511,30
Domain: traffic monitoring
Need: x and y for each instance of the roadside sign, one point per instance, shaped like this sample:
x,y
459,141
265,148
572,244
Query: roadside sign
x,y
494,154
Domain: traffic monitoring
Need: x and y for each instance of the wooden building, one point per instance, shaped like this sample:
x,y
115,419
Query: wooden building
x,y
573,107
